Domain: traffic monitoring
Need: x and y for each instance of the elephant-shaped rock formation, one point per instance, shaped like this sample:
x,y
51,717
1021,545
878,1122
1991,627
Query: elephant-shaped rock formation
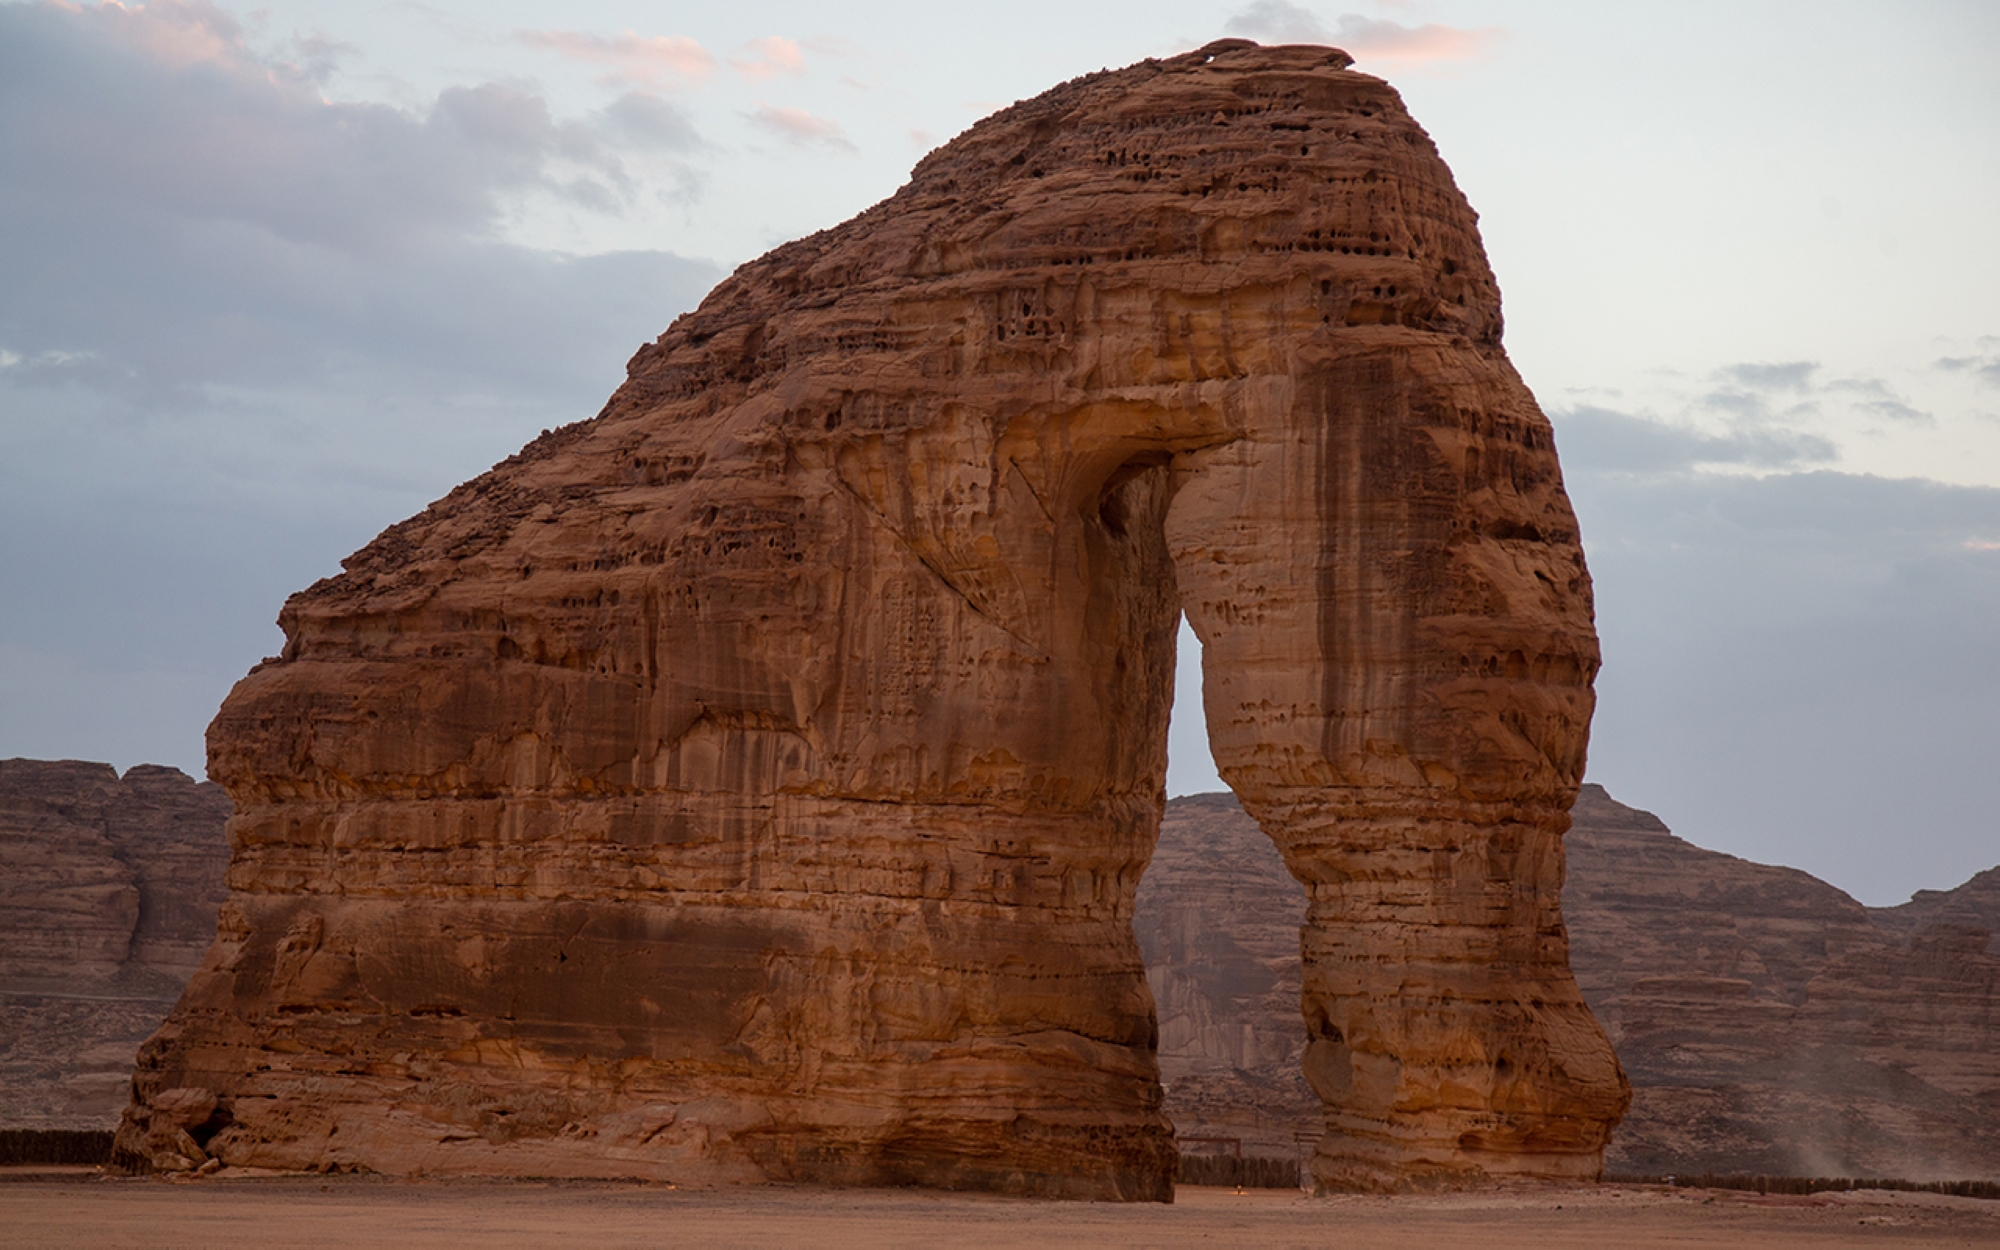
x,y
752,782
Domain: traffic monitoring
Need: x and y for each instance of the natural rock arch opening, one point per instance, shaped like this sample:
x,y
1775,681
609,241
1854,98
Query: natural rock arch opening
x,y
753,782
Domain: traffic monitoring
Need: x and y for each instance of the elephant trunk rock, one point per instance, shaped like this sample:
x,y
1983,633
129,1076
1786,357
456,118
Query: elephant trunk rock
x,y
752,782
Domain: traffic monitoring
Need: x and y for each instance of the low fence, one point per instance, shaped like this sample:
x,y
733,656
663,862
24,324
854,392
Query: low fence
x,y
85,1147
1248,1172
44,1146
1814,1184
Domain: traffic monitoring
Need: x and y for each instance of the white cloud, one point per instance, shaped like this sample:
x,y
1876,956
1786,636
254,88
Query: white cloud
x,y
631,59
245,327
769,58
1365,38
317,57
800,128
179,34
1278,21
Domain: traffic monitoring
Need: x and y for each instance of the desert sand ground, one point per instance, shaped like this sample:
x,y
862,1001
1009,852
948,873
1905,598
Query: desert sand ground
x,y
79,1209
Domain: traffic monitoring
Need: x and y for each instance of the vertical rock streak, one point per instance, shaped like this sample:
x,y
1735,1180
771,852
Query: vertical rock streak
x,y
753,781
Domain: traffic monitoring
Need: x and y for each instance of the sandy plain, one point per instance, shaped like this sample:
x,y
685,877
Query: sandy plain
x,y
81,1209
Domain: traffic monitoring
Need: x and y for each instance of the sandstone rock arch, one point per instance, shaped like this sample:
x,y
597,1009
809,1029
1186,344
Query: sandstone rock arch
x,y
753,781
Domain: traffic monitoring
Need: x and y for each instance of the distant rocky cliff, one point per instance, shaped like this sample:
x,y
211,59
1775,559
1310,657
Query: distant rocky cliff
x,y
1772,1024
108,895
1218,922
1769,1023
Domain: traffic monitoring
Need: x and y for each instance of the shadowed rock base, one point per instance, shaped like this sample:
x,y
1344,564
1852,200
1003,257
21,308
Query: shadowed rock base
x,y
753,782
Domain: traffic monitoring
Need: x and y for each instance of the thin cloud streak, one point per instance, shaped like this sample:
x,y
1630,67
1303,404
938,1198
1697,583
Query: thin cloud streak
x,y
800,128
655,61
1366,38
1985,368
768,58
1755,416
1873,396
1604,441
1792,375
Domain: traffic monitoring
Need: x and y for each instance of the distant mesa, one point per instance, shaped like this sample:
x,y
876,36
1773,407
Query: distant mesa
x,y
108,893
1773,1025
752,782
1770,1024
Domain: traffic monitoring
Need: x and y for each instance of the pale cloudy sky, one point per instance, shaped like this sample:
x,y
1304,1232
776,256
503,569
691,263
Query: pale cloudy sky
x,y
273,277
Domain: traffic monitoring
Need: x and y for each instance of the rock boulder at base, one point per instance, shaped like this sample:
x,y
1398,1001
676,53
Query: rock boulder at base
x,y
753,781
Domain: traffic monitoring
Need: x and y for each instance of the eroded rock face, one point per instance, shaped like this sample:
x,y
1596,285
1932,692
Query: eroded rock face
x,y
1772,1024
108,895
753,781
1218,918
69,903
1769,1023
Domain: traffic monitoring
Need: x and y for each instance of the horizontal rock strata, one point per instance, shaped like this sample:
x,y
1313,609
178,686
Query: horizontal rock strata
x,y
108,894
1770,1024
1773,1025
753,782
1218,917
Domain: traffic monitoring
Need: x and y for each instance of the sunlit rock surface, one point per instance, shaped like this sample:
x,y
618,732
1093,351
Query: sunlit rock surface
x,y
752,782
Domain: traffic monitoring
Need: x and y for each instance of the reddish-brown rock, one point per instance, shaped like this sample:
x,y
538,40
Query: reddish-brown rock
x,y
1975,904
1772,1024
753,781
108,895
68,904
1218,918
1769,1023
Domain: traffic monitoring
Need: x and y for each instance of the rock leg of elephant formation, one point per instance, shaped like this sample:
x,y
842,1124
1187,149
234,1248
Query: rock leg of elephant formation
x,y
752,782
